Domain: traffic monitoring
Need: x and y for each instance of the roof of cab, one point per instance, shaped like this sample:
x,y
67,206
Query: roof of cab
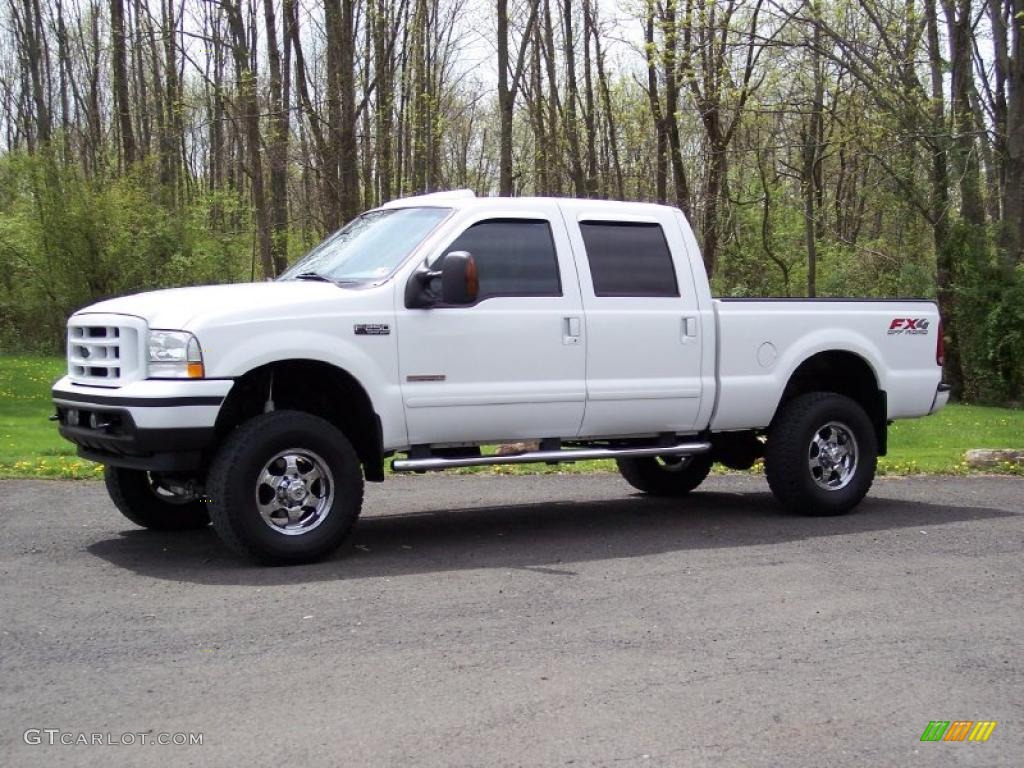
x,y
466,198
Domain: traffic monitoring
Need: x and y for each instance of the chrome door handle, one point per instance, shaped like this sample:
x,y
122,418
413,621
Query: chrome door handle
x,y
571,330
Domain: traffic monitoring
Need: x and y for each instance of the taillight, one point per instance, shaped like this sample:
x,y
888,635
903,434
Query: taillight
x,y
940,346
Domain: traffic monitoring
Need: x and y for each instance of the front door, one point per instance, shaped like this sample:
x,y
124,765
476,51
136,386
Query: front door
x,y
512,365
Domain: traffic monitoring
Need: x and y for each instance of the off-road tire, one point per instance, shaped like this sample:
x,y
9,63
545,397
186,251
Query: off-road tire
x,y
786,459
135,495
233,481
668,476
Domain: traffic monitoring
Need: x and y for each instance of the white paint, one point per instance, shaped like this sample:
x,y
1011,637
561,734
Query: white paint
x,y
766,355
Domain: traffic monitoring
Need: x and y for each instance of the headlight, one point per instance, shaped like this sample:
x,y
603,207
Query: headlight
x,y
174,355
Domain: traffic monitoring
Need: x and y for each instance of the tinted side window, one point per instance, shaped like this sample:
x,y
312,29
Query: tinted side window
x,y
514,257
628,259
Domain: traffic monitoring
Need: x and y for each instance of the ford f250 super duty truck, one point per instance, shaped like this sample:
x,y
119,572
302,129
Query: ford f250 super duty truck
x,y
438,324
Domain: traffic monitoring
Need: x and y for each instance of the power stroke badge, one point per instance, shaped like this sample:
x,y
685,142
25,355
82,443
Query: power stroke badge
x,y
372,329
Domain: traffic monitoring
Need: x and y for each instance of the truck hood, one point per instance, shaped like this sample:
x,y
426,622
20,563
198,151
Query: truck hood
x,y
185,308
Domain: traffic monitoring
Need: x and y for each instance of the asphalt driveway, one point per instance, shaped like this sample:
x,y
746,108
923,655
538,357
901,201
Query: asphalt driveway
x,y
539,621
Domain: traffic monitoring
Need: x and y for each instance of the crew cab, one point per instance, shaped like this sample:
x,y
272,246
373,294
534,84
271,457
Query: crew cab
x,y
437,325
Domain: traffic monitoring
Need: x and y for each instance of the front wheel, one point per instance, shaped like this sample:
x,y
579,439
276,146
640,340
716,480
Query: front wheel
x,y
821,454
665,475
286,487
147,501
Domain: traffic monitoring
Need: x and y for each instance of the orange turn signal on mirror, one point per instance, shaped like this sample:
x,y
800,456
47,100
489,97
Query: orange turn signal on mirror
x,y
472,279
195,371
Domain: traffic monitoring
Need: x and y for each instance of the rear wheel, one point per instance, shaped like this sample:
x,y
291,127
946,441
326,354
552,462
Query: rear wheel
x,y
821,454
147,501
286,487
665,475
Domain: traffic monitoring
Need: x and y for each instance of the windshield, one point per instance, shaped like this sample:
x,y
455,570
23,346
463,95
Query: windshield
x,y
369,247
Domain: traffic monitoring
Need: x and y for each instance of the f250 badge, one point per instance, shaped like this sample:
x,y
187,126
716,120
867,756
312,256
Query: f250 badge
x,y
909,326
372,329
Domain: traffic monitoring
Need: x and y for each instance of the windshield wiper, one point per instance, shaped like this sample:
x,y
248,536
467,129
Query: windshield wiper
x,y
313,276
341,282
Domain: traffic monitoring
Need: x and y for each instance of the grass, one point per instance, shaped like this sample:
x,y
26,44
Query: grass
x,y
31,447
29,444
936,444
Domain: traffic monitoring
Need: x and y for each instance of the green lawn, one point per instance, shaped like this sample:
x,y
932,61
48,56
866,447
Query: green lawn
x,y
31,447
29,443
936,444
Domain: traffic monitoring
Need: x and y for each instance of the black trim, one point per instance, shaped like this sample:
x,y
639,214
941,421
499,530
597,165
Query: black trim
x,y
941,389
130,440
145,402
117,441
881,423
157,462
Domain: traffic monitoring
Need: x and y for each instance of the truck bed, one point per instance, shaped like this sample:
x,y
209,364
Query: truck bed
x,y
761,342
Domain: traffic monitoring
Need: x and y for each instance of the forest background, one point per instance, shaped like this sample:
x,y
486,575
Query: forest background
x,y
820,147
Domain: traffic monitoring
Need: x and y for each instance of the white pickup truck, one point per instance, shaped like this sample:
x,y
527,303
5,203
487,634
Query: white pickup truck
x,y
438,324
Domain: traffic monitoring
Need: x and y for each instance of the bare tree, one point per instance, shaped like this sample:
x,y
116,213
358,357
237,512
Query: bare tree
x,y
250,115
509,79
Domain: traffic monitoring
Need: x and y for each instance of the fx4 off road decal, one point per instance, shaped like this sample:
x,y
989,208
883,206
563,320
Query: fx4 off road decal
x,y
909,326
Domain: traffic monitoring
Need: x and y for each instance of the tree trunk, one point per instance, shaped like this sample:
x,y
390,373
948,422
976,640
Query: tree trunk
x,y
173,126
384,101
945,264
119,72
250,108
505,104
959,20
670,39
141,90
277,146
349,173
712,196
331,170
810,172
571,99
606,101
555,152
589,115
508,85
34,56
661,135
1011,232
541,162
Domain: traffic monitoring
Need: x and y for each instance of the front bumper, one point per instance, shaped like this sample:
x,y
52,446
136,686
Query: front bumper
x,y
152,425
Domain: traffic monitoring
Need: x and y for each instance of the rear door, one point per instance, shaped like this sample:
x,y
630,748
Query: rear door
x,y
512,365
642,321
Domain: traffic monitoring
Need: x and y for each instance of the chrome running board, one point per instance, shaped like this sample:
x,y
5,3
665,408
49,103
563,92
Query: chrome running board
x,y
572,454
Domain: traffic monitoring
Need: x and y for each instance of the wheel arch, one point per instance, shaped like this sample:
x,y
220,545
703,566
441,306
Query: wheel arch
x,y
846,373
315,387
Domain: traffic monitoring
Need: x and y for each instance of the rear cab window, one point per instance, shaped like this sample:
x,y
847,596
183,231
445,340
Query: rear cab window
x,y
629,259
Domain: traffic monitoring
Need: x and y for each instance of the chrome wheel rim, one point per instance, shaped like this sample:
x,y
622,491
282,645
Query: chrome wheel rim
x,y
832,456
294,491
